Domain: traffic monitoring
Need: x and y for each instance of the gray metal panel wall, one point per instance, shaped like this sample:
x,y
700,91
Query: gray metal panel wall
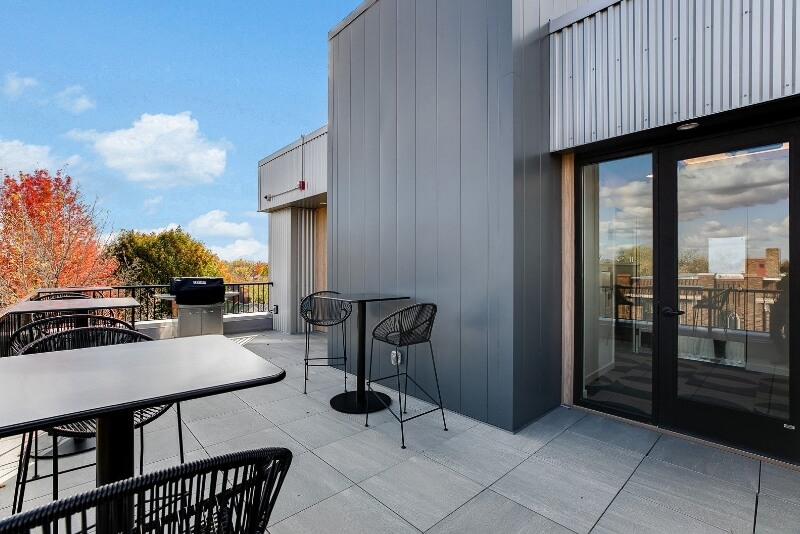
x,y
441,187
291,264
305,159
640,64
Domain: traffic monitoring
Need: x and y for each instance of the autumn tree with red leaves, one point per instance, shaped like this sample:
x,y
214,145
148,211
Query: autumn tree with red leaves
x,y
49,236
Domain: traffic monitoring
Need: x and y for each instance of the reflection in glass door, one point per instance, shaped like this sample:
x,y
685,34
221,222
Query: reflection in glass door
x,y
617,289
733,280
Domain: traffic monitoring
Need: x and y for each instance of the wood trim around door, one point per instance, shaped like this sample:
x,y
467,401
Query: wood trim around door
x,y
567,277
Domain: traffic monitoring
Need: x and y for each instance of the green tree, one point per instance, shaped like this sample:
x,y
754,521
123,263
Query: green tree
x,y
691,261
154,258
641,255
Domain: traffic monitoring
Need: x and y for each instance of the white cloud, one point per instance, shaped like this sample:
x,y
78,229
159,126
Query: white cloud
x,y
16,156
161,150
170,226
246,249
15,85
74,100
215,223
150,204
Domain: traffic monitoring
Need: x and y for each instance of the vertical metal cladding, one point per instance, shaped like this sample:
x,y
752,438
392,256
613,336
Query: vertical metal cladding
x,y
640,64
305,159
280,265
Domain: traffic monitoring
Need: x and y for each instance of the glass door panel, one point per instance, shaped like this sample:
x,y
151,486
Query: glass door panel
x,y
617,290
733,280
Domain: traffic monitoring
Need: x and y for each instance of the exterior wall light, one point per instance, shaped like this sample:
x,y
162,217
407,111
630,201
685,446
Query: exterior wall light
x,y
688,126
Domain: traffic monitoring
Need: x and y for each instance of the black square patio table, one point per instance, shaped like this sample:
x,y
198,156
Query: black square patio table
x,y
38,391
356,401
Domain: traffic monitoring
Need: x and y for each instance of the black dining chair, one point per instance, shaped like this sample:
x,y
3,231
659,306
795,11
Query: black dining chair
x,y
324,312
408,326
34,330
225,494
79,338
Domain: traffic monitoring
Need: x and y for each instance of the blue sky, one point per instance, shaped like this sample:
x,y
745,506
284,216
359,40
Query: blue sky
x,y
162,110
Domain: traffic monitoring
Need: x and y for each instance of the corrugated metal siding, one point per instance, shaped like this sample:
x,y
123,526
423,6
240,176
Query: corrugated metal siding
x,y
291,264
305,159
640,64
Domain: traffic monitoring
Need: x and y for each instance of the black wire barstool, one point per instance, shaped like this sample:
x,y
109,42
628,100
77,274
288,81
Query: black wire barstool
x,y
79,338
324,312
224,494
408,326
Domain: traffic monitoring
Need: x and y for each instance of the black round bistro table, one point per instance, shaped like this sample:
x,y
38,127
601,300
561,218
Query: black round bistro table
x,y
356,401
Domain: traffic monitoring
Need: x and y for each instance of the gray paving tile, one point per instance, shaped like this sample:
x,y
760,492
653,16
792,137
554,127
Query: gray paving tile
x,y
591,457
491,512
565,496
164,443
315,382
780,482
629,513
166,420
268,393
707,499
477,458
421,491
708,461
363,455
210,406
318,430
639,440
536,435
425,432
227,426
285,410
172,461
776,516
352,510
308,481
268,437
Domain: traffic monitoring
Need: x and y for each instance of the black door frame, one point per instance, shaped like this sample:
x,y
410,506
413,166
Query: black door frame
x,y
662,145
737,428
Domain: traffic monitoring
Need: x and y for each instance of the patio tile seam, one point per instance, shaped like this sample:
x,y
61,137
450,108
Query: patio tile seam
x,y
701,475
484,490
310,505
529,508
527,457
622,487
742,486
602,443
662,505
228,412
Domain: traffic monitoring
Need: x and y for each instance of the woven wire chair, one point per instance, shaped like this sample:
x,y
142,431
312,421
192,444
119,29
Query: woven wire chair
x,y
235,493
79,338
325,312
408,326
34,330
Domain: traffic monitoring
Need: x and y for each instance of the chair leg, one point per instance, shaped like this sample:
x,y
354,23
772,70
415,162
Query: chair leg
x,y
369,380
439,391
22,472
141,450
180,431
400,404
36,456
344,345
306,361
405,389
55,468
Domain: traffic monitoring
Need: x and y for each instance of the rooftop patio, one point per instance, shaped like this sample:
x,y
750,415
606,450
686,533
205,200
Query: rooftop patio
x,y
568,471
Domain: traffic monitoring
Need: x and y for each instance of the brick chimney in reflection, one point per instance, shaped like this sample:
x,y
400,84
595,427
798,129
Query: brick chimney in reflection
x,y
773,263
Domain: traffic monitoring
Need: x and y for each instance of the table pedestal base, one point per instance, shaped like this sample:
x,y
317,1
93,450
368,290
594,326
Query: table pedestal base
x,y
348,402
70,446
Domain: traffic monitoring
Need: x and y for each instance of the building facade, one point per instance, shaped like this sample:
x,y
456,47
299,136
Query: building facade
x,y
599,195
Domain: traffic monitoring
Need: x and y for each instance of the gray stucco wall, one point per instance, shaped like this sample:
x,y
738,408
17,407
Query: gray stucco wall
x,y
441,187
